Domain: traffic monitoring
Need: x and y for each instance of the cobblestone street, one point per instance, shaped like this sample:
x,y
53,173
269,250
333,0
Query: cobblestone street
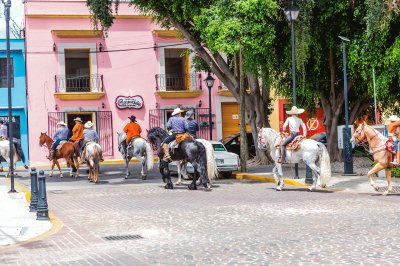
x,y
238,222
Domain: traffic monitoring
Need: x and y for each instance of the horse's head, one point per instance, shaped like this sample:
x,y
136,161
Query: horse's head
x,y
359,135
42,139
266,138
156,135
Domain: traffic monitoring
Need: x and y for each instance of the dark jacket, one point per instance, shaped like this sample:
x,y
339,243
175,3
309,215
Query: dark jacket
x,y
193,127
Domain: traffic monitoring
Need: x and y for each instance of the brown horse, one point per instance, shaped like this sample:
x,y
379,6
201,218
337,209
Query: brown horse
x,y
67,152
382,156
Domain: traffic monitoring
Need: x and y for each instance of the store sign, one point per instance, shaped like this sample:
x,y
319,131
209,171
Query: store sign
x,y
129,102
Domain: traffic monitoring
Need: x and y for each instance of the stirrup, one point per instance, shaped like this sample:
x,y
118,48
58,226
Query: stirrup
x,y
167,158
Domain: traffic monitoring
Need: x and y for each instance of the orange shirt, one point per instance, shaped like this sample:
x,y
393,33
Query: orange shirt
x,y
77,131
132,129
392,128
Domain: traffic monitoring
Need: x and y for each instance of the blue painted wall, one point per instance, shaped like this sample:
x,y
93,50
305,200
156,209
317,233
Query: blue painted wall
x,y
18,91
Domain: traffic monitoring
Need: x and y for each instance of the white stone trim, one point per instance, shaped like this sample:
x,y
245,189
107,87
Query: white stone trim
x,y
93,60
218,112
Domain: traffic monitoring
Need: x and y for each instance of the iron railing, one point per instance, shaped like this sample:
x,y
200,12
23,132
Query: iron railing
x,y
177,82
104,127
159,118
3,81
87,83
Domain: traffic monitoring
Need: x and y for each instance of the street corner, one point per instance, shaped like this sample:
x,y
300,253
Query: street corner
x,y
19,226
268,178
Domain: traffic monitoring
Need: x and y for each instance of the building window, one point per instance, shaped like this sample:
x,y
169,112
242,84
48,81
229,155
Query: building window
x,y
177,69
77,70
3,72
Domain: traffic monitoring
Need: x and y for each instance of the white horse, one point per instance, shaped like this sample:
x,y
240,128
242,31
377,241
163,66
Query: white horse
x,y
310,152
182,166
93,156
5,153
140,149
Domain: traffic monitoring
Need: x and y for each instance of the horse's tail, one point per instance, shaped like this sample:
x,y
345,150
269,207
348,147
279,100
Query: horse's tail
x,y
325,164
149,157
212,170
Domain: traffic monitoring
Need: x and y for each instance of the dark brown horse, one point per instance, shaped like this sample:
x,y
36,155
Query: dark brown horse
x,y
67,151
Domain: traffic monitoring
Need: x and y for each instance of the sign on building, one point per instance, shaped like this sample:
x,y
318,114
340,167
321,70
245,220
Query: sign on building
x,y
129,102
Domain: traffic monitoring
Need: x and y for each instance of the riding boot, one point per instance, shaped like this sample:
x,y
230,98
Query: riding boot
x,y
283,155
82,158
167,157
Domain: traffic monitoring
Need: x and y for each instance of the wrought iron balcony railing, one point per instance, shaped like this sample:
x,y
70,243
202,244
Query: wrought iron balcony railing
x,y
176,82
71,83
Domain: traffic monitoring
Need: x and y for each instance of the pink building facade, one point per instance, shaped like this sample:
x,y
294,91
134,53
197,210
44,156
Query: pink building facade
x,y
136,68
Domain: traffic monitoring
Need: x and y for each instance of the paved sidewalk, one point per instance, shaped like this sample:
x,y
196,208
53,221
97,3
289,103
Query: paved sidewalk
x,y
17,224
356,184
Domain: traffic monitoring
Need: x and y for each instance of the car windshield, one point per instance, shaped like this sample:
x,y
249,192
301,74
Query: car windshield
x,y
218,147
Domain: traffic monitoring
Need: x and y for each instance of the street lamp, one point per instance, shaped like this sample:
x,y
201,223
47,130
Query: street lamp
x,y
292,12
210,83
7,7
348,156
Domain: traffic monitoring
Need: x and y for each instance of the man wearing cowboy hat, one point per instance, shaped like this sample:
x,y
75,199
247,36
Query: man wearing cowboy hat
x,y
60,135
392,124
294,124
177,125
132,130
89,134
3,129
193,126
77,130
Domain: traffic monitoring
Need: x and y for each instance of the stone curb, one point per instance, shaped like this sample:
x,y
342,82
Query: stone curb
x,y
57,224
268,179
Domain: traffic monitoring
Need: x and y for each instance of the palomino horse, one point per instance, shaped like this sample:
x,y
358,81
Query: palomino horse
x,y
382,157
5,153
92,155
140,149
310,152
67,152
199,153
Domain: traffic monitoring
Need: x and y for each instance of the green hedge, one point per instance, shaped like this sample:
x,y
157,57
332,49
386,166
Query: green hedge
x,y
395,171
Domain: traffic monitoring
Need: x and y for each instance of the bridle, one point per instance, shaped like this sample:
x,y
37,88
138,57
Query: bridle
x,y
261,139
364,143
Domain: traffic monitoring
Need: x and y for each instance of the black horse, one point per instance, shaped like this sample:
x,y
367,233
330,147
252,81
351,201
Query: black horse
x,y
199,153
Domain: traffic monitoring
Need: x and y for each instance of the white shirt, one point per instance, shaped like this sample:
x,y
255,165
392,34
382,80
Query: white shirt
x,y
294,124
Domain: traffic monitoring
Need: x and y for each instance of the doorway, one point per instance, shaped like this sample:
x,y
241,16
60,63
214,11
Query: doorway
x,y
86,116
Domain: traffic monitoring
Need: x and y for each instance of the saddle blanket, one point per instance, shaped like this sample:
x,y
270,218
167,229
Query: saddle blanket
x,y
389,145
294,145
59,146
178,139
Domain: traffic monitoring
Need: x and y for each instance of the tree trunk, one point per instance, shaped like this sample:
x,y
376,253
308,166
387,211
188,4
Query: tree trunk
x,y
243,133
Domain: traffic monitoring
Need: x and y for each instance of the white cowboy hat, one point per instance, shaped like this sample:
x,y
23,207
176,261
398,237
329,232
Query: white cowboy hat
x,y
61,123
88,124
295,111
78,119
393,118
177,111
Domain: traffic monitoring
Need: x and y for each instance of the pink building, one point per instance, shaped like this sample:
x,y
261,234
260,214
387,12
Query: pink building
x,y
138,69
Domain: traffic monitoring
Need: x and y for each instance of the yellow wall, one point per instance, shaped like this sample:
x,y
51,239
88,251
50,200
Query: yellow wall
x,y
274,117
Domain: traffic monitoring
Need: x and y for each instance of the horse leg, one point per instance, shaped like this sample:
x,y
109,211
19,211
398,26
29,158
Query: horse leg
x,y
315,174
59,168
127,173
96,172
370,174
389,181
193,185
280,184
52,168
144,166
75,164
180,166
167,175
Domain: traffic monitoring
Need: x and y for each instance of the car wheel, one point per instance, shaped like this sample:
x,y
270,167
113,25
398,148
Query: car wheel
x,y
226,174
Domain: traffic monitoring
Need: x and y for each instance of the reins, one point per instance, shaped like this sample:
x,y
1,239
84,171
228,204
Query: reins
x,y
366,147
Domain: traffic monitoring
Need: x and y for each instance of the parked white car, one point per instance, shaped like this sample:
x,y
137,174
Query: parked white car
x,y
227,162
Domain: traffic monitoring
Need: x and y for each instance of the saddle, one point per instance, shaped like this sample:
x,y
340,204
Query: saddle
x,y
59,146
389,146
294,145
178,139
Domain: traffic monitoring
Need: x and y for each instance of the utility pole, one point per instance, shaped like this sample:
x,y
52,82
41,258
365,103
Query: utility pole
x,y
7,7
243,133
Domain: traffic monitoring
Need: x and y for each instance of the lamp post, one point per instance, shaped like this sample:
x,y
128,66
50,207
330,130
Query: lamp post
x,y
292,12
210,83
7,7
348,156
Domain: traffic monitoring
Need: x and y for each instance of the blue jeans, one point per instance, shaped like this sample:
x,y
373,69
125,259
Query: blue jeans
x,y
286,142
55,144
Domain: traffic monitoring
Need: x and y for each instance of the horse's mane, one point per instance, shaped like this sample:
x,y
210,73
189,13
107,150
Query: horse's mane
x,y
157,132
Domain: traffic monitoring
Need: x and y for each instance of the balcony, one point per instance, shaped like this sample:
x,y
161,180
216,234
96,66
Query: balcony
x,y
178,86
88,87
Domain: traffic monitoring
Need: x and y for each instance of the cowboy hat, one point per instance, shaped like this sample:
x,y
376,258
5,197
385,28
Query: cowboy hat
x,y
177,111
189,114
61,123
393,118
295,111
132,118
88,124
78,119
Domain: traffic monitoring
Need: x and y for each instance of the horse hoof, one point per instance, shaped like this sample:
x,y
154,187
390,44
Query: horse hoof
x,y
311,189
385,193
126,177
169,186
191,187
278,189
51,175
144,177
178,183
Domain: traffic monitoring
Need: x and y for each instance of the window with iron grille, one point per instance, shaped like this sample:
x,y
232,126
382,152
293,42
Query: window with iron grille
x,y
3,72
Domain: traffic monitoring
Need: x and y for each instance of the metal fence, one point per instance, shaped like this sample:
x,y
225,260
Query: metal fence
x,y
159,118
104,127
89,83
172,82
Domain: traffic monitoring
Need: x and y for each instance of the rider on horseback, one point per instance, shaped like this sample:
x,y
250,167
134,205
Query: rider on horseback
x,y
193,126
77,131
89,135
132,130
392,124
60,135
294,126
177,125
17,142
